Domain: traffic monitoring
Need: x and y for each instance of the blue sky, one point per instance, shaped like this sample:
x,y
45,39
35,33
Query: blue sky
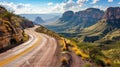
x,y
55,6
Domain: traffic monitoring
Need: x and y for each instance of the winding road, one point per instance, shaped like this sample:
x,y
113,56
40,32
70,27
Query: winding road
x,y
38,51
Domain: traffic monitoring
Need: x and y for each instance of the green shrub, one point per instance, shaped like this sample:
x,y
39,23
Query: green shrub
x,y
99,62
115,65
87,65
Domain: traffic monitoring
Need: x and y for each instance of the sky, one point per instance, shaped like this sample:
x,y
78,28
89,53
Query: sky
x,y
55,6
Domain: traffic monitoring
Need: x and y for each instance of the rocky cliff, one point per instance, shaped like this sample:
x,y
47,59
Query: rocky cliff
x,y
11,28
67,16
112,16
112,13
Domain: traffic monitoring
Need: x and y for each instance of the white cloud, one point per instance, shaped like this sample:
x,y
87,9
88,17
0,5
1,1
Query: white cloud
x,y
81,2
50,7
61,7
17,8
50,3
95,1
20,8
110,0
69,5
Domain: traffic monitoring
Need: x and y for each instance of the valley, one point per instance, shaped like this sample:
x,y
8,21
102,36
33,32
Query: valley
x,y
70,33
97,42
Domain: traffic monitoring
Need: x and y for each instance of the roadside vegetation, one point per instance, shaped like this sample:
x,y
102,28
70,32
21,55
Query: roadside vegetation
x,y
44,30
25,37
101,54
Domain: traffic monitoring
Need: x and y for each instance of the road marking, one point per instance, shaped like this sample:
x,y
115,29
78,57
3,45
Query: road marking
x,y
12,58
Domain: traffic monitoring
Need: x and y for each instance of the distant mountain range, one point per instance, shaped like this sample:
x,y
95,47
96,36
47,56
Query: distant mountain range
x,y
53,19
45,17
39,20
71,22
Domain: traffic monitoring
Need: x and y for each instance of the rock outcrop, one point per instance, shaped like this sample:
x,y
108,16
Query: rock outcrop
x,y
112,13
11,28
112,16
67,16
9,34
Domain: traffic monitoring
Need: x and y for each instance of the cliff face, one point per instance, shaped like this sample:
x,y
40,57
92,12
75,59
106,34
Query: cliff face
x,y
11,28
112,16
67,16
88,17
9,34
112,13
91,13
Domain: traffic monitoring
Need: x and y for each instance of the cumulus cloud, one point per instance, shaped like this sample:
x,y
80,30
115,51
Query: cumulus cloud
x,y
110,0
20,8
94,1
64,6
75,5
50,3
81,2
17,8
69,5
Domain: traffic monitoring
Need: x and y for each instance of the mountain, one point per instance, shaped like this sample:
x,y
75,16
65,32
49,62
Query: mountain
x,y
53,19
11,28
38,20
105,29
71,22
32,17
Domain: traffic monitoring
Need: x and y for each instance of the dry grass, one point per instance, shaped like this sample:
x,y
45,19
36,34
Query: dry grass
x,y
64,60
25,38
87,65
63,48
80,53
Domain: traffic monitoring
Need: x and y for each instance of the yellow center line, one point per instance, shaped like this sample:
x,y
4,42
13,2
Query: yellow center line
x,y
12,58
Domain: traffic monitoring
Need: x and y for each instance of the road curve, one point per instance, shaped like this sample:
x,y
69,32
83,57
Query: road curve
x,y
38,51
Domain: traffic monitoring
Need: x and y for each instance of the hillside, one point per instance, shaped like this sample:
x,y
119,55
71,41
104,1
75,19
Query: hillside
x,y
11,28
103,28
71,22
51,20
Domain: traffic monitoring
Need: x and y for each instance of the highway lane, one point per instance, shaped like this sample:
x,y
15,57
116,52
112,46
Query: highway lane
x,y
39,50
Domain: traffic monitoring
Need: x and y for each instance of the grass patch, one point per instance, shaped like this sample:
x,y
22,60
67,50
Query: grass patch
x,y
25,37
87,65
